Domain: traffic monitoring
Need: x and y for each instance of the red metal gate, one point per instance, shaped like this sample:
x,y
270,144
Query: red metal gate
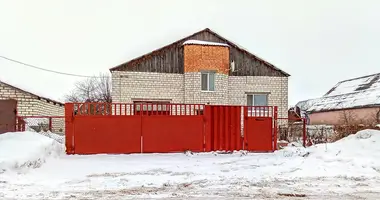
x,y
179,129
259,132
129,128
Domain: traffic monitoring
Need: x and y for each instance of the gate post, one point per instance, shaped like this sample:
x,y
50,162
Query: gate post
x,y
245,122
51,124
207,117
275,118
69,128
304,131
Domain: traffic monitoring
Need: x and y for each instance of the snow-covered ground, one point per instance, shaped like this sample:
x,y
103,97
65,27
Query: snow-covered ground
x,y
347,169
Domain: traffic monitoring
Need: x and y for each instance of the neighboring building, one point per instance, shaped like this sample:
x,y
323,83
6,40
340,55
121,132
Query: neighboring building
x,y
25,103
201,68
353,100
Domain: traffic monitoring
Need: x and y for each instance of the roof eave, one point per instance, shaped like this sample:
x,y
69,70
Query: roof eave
x,y
38,96
341,109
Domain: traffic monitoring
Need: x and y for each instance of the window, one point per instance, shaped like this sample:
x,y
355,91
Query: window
x,y
257,100
208,81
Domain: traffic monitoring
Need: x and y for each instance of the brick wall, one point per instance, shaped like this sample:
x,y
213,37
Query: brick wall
x,y
129,86
25,101
49,109
228,89
30,105
276,87
194,94
200,57
186,88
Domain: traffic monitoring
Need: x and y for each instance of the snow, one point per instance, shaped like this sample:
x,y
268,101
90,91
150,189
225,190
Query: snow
x,y
200,42
346,169
26,88
19,150
347,94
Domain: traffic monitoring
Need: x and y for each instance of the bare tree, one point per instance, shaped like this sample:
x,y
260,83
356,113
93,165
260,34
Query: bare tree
x,y
94,89
348,117
376,116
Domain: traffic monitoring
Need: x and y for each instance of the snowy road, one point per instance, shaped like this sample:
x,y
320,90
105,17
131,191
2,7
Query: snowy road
x,y
180,175
348,169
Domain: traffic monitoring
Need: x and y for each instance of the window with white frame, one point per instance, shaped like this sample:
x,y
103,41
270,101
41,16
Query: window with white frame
x,y
257,100
208,81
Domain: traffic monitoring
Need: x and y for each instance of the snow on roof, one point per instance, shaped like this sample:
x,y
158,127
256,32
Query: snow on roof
x,y
30,90
353,93
200,42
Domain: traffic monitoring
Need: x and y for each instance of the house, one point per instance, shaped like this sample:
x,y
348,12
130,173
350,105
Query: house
x,y
349,101
202,68
15,101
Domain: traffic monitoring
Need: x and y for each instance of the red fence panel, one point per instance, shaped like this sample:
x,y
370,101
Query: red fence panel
x,y
163,134
108,134
172,128
223,128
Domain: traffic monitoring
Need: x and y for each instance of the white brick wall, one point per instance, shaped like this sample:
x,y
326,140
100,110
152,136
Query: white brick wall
x,y
277,87
127,86
30,105
186,88
194,94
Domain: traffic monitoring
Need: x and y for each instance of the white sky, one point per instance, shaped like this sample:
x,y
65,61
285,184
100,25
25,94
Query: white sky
x,y
318,42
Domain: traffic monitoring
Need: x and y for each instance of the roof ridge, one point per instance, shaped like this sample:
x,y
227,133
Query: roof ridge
x,y
347,80
366,76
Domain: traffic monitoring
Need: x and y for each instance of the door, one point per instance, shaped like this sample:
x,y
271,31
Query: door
x,y
259,134
8,115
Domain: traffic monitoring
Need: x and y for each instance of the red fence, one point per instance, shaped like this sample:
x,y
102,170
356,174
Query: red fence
x,y
41,123
292,130
157,128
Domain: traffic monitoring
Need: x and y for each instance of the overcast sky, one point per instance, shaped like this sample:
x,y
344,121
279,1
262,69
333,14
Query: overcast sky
x,y
318,42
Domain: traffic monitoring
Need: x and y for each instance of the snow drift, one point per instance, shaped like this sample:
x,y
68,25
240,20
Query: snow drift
x,y
363,143
20,150
355,155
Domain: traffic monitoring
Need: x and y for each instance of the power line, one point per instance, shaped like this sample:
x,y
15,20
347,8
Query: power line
x,y
47,70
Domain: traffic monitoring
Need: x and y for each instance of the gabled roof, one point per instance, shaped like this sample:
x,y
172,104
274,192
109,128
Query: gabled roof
x,y
181,41
359,92
31,93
